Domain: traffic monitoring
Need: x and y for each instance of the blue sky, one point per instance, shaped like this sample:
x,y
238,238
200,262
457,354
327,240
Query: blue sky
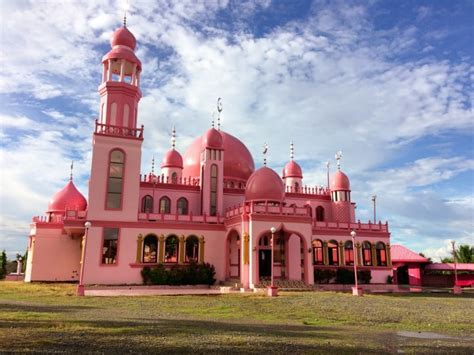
x,y
387,82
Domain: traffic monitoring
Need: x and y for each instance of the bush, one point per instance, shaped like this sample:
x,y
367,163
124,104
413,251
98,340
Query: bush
x,y
346,277
390,279
324,276
364,276
191,274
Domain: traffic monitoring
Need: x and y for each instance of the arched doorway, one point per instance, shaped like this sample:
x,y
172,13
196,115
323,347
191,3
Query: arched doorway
x,y
233,247
402,275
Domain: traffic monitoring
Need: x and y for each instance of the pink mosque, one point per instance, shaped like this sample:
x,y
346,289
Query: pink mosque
x,y
208,205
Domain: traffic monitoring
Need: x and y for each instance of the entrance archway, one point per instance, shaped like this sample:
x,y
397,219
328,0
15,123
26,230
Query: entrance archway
x,y
233,250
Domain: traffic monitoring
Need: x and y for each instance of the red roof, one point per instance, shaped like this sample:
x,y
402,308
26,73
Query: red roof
x,y
401,254
450,267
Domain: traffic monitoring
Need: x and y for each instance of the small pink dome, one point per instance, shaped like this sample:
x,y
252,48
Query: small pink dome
x,y
68,197
265,185
123,37
172,159
292,169
238,162
212,139
340,181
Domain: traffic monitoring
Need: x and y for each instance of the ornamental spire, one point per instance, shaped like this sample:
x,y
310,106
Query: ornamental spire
x,y
72,167
219,110
173,138
292,151
153,165
338,158
265,151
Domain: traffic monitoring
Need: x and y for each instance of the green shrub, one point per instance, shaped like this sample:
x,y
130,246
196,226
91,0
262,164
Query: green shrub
x,y
390,279
146,275
190,274
324,276
364,276
345,277
159,275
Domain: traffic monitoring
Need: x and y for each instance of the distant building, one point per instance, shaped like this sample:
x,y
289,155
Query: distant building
x,y
209,205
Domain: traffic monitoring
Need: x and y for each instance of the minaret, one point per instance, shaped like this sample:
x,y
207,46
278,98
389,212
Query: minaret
x,y
172,164
341,194
116,150
292,173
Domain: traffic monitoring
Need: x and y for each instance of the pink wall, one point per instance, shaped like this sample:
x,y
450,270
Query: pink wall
x,y
294,258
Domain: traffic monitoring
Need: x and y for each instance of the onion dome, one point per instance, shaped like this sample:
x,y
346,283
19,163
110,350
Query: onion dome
x,y
172,159
292,169
123,37
265,185
212,139
340,181
68,197
238,162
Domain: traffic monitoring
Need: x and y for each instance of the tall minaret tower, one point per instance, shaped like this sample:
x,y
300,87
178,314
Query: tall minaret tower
x,y
116,150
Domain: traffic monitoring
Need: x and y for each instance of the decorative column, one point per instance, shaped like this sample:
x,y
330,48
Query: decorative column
x,y
374,254
161,254
359,254
389,256
201,249
122,70
139,248
341,253
181,249
246,248
109,70
325,253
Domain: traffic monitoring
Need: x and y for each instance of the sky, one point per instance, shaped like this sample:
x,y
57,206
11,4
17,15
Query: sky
x,y
389,83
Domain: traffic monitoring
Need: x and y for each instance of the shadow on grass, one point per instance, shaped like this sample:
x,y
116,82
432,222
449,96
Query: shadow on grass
x,y
19,307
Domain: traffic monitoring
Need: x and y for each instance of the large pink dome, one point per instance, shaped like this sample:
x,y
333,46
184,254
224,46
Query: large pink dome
x,y
172,159
212,139
292,169
265,185
238,162
340,181
68,197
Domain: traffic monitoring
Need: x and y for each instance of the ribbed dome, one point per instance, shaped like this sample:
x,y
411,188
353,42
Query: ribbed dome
x,y
212,139
340,181
68,197
123,37
292,169
238,162
172,159
265,185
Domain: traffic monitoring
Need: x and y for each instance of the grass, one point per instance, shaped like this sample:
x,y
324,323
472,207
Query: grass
x,y
49,318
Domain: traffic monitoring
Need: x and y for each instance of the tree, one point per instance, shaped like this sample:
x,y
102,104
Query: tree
x,y
3,265
464,254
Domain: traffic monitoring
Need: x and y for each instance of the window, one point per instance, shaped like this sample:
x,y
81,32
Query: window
x,y
147,204
264,241
192,249
318,252
165,205
349,253
182,206
319,213
150,249
333,257
366,254
297,187
213,207
279,249
109,247
171,249
381,254
115,180
174,178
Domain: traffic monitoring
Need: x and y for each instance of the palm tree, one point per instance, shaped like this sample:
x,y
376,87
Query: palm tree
x,y
465,254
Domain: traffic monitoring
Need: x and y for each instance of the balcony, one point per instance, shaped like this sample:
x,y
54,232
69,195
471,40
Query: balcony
x,y
358,226
266,208
180,218
118,131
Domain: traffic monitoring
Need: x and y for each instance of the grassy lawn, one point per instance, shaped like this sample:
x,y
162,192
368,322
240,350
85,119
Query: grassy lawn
x,y
48,317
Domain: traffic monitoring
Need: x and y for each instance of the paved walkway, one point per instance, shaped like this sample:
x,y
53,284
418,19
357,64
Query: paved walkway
x,y
150,291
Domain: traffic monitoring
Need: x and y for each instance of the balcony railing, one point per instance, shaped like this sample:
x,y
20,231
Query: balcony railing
x,y
69,215
266,208
161,179
379,227
163,217
118,131
309,190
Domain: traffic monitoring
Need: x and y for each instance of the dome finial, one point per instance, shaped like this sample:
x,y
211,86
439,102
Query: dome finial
x,y
173,138
265,151
338,158
292,151
153,165
72,167
125,14
219,110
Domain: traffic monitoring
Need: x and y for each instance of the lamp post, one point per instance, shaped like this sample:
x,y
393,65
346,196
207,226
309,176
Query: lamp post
x,y
80,288
272,290
374,198
456,289
356,290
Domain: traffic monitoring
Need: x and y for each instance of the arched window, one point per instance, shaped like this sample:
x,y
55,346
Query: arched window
x,y
165,205
115,180
366,254
297,187
182,206
318,252
264,241
171,249
192,249
349,253
333,256
147,204
320,213
150,249
381,254
174,178
213,207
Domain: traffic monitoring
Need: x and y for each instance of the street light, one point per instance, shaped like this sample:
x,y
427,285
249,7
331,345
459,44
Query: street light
x,y
356,291
272,290
456,289
80,288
